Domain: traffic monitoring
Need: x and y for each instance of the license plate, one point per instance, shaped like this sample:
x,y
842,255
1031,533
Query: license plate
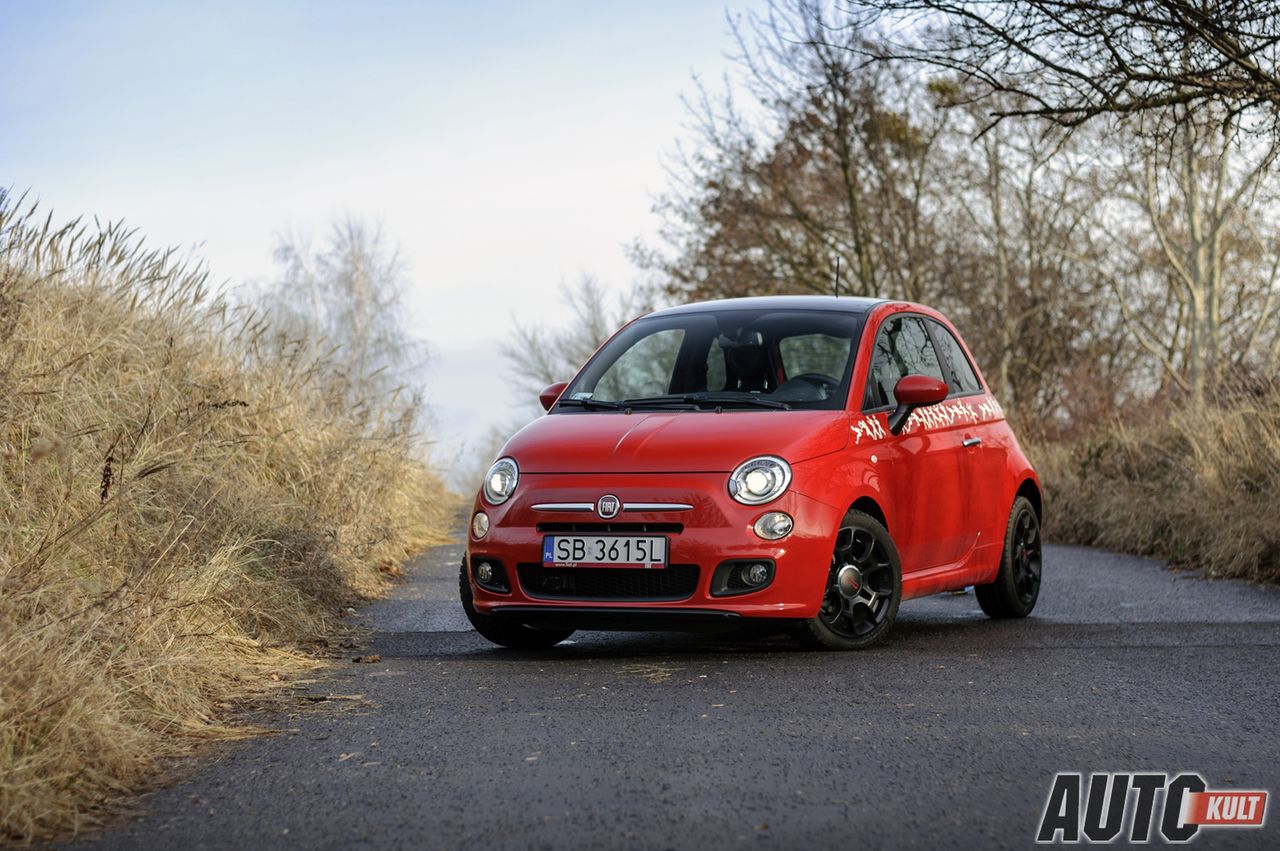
x,y
608,550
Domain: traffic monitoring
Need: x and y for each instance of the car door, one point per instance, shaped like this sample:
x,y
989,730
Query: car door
x,y
927,470
986,437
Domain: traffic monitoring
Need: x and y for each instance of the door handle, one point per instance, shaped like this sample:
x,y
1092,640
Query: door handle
x,y
972,441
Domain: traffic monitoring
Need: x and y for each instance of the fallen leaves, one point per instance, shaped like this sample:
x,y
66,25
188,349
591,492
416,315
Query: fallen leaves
x,y
320,698
653,673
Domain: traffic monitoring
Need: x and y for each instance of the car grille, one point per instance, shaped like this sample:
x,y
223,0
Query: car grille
x,y
674,582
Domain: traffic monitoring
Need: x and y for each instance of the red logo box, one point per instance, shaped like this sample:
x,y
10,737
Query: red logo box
x,y
1226,808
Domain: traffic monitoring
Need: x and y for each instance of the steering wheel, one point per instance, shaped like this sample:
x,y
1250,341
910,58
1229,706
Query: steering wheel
x,y
825,383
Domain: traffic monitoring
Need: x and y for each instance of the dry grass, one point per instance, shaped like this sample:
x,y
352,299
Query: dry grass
x,y
182,508
1197,487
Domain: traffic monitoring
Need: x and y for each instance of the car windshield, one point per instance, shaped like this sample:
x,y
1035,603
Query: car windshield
x,y
742,358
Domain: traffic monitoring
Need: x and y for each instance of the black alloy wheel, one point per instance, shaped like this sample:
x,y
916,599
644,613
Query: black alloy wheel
x,y
1016,588
863,589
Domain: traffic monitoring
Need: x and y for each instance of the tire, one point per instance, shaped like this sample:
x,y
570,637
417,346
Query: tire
x,y
1016,588
858,606
516,636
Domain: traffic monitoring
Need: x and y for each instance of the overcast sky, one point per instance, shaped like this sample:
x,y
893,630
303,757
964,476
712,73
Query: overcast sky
x,y
507,147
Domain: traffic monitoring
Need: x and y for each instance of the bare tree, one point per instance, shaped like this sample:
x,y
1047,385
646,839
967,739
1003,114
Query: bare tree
x,y
1071,60
1014,210
1199,291
348,295
828,161
540,355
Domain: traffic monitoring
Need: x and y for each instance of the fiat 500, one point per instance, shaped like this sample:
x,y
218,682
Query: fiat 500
x,y
811,460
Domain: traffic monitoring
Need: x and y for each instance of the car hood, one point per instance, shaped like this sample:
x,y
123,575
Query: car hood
x,y
671,442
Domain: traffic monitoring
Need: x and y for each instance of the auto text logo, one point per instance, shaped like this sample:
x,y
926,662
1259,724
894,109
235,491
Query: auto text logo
x,y
1140,805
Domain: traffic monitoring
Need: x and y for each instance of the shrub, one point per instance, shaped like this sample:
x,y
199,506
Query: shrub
x,y
1194,487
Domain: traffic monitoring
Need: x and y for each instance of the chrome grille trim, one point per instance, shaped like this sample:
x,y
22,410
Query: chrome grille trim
x,y
629,506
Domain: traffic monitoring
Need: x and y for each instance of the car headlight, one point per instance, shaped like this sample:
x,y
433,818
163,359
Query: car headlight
x,y
759,480
500,482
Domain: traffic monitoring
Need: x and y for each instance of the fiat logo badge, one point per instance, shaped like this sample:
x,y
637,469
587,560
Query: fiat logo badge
x,y
608,506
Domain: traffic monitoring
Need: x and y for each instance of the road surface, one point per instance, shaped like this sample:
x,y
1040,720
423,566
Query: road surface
x,y
946,736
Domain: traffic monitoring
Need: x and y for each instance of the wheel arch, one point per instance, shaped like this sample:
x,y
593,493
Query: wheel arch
x,y
868,505
1030,488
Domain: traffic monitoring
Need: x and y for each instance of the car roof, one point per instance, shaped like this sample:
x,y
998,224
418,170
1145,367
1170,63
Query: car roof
x,y
825,303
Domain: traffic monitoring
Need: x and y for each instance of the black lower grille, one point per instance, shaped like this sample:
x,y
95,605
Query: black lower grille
x,y
674,582
613,527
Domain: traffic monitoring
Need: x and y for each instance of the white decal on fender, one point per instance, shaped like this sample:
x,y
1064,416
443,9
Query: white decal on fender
x,y
868,427
934,416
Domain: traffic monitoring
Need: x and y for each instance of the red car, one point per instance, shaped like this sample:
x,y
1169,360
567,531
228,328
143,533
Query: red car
x,y
813,460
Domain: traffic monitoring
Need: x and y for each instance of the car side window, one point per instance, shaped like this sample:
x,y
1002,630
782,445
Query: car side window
x,y
962,378
902,348
645,369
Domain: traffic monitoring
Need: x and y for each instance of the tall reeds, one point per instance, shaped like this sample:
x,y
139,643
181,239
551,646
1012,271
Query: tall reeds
x,y
186,501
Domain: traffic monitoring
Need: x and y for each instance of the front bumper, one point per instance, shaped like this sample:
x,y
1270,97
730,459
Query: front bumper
x,y
714,530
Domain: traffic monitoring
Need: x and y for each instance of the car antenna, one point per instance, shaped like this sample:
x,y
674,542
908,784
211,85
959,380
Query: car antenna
x,y
835,285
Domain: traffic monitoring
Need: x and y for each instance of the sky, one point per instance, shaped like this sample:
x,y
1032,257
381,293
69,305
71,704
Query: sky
x,y
506,147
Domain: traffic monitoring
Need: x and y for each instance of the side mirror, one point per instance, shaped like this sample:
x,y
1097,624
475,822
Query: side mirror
x,y
911,392
549,395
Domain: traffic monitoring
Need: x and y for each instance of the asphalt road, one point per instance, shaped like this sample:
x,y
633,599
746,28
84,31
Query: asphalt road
x,y
946,736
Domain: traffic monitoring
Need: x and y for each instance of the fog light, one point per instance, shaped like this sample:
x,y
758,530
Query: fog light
x,y
480,525
774,525
484,571
742,576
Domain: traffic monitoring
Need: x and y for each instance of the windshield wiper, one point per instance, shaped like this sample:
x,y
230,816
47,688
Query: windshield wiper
x,y
673,402
727,399
591,403
685,402
696,399
627,404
